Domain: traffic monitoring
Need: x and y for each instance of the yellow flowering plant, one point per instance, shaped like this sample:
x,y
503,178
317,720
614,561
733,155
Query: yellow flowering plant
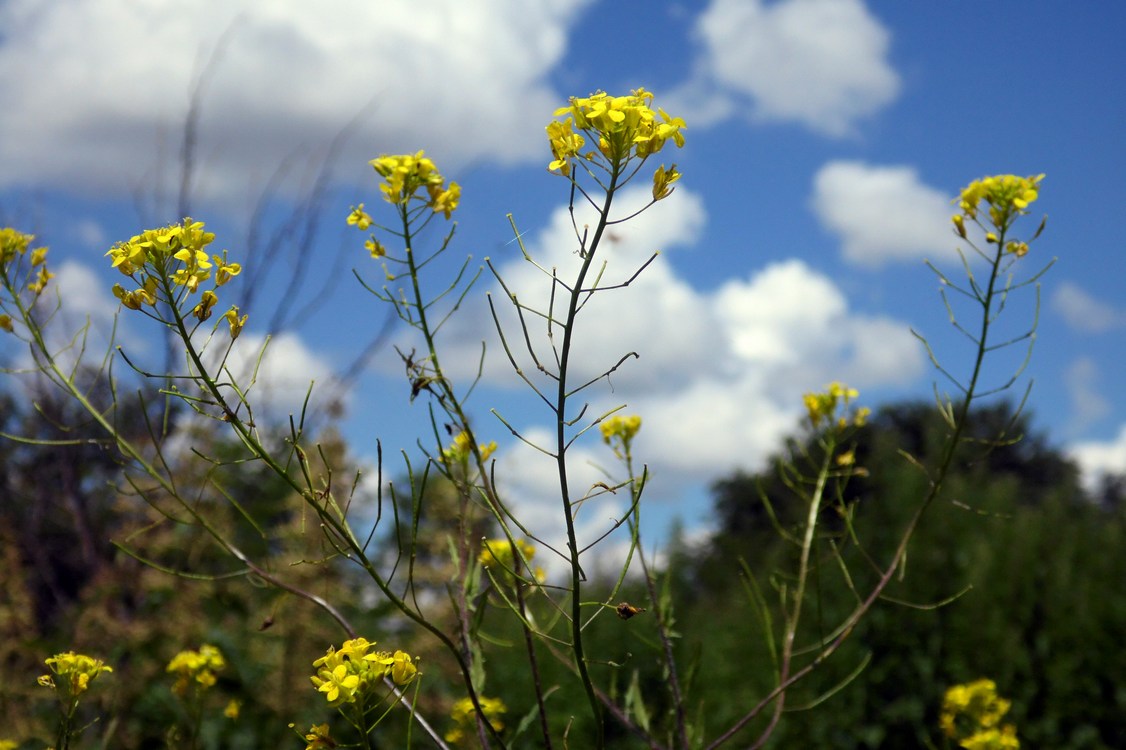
x,y
487,591
972,717
196,673
70,677
358,680
464,715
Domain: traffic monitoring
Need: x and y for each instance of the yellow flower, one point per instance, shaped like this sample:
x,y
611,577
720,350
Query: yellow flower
x,y
460,451
75,671
1007,195
464,712
6,322
339,686
355,672
624,127
565,144
233,708
234,321
662,182
225,271
1004,738
175,254
196,667
202,311
399,665
619,432
832,405
497,555
13,243
40,283
959,225
374,247
444,200
972,714
359,218
404,174
621,428
318,738
137,298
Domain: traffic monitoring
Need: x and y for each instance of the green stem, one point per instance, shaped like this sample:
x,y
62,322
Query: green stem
x,y
561,458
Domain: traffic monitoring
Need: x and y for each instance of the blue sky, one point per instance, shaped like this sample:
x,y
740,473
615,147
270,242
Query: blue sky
x,y
825,140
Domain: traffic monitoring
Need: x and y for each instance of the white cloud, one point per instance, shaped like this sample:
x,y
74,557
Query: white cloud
x,y
90,86
883,214
84,294
90,234
1085,313
79,318
1088,405
275,375
1098,458
822,63
281,375
529,481
720,372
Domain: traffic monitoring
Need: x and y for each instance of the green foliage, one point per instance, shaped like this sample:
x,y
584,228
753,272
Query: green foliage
x,y
67,586
1012,577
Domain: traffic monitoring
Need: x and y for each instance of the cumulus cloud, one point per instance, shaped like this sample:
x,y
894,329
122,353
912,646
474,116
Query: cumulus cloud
x,y
883,214
1083,312
821,63
84,295
466,80
1088,404
719,374
1099,458
276,374
79,317
529,481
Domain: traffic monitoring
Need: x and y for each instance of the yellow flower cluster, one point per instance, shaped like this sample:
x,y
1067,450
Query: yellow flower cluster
x,y
832,404
318,738
1007,196
14,247
498,556
173,255
972,713
622,127
464,715
196,668
619,432
75,672
460,450
403,175
620,428
13,244
354,673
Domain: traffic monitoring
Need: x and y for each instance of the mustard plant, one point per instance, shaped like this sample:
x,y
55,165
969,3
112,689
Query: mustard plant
x,y
972,714
599,145
70,678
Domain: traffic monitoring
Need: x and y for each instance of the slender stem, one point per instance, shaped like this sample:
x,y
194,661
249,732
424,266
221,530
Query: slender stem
x,y
449,401
561,458
803,577
533,662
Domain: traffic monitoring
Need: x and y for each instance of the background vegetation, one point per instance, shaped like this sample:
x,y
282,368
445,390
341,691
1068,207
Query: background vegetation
x,y
1015,576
